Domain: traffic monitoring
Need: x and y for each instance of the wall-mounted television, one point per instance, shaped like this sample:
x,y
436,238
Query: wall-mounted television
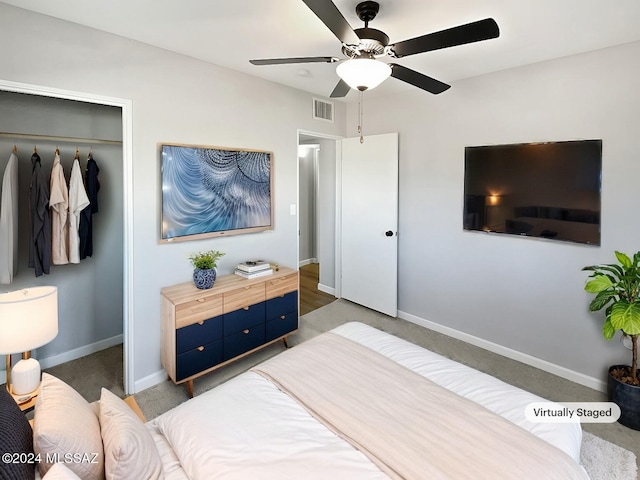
x,y
546,190
212,191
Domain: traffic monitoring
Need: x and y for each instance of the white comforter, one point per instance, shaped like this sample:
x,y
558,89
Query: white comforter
x,y
244,427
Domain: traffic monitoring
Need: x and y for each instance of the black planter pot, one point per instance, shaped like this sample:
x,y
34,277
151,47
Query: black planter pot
x,y
627,397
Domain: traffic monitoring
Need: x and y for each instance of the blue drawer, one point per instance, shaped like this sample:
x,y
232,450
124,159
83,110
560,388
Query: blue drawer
x,y
242,342
194,335
279,305
194,361
241,319
281,325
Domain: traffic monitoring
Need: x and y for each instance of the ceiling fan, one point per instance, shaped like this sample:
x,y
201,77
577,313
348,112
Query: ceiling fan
x,y
365,46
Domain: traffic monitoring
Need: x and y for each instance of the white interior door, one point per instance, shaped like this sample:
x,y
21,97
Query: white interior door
x,y
369,242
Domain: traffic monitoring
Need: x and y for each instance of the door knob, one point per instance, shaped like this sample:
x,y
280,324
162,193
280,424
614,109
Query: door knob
x,y
389,233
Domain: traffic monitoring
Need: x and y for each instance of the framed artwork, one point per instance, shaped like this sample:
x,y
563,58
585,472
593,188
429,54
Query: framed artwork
x,y
212,191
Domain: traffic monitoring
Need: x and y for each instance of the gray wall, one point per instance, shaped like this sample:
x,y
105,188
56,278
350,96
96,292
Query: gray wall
x,y
175,99
307,204
89,293
519,293
327,214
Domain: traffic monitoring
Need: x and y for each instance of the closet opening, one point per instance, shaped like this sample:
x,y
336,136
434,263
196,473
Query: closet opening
x,y
93,297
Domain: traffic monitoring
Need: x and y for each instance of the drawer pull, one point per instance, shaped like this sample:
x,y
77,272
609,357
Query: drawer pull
x,y
283,317
200,348
201,322
245,331
201,300
245,308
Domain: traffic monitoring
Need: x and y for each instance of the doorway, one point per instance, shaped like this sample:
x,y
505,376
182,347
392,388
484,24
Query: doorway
x,y
316,220
332,203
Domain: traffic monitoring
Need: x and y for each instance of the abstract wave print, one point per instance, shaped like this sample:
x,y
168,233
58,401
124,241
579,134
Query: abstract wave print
x,y
208,190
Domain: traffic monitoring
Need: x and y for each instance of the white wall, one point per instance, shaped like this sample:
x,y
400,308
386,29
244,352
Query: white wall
x,y
519,293
175,99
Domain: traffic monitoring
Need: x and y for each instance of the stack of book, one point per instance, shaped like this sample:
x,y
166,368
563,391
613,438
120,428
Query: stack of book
x,y
254,269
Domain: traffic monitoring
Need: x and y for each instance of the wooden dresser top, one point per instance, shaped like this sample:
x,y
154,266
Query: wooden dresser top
x,y
187,291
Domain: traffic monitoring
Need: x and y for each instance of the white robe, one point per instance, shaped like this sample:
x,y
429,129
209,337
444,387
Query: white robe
x,y
9,222
78,201
59,203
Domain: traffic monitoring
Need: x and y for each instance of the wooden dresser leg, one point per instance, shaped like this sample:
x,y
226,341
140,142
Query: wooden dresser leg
x,y
190,388
284,340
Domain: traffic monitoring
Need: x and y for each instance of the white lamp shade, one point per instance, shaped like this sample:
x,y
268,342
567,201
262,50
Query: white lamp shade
x,y
363,73
28,319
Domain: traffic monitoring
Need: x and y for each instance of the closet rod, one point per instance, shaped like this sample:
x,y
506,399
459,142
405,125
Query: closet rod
x,y
54,138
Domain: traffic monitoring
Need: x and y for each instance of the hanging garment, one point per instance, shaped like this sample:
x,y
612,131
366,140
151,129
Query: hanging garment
x,y
9,222
78,201
40,231
59,204
92,185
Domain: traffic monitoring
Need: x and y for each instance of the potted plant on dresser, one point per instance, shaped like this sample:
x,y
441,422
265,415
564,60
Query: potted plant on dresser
x,y
617,289
204,263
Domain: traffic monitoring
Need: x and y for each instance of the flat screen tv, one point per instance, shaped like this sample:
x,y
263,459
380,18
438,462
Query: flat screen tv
x,y
545,190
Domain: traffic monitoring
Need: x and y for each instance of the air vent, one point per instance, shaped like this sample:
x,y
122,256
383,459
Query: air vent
x,y
322,110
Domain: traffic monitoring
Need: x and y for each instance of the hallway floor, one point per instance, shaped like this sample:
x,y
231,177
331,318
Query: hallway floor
x,y
310,297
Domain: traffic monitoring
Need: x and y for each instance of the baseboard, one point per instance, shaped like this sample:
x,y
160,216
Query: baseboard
x,y
80,352
149,381
308,261
326,289
527,359
74,354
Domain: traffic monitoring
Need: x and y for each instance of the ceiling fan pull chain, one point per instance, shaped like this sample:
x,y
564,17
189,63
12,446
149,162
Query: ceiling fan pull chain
x,y
360,102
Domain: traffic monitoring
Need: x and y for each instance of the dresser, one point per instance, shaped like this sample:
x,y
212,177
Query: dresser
x,y
203,330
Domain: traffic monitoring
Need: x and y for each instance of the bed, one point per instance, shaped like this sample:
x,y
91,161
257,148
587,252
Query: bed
x,y
353,403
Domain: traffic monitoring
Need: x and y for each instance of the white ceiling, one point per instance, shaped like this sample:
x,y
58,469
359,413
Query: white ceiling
x,y
231,32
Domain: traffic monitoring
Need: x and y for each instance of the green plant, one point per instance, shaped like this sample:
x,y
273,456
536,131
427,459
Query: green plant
x,y
617,289
206,260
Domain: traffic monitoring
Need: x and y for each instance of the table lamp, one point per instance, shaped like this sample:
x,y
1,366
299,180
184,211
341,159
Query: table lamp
x,y
28,320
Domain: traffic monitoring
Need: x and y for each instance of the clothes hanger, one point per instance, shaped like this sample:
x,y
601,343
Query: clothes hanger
x,y
77,153
15,148
57,151
35,158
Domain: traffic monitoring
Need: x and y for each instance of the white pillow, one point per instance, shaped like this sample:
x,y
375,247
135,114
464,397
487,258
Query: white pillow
x,y
129,449
66,429
60,472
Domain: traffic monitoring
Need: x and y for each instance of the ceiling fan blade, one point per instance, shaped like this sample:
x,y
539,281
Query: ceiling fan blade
x,y
418,79
326,11
460,35
282,61
341,90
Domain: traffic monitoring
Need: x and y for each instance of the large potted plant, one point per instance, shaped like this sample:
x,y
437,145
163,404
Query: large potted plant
x,y
617,289
204,263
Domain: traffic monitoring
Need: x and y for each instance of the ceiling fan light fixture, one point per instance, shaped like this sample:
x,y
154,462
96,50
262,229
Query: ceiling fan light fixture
x,y
363,73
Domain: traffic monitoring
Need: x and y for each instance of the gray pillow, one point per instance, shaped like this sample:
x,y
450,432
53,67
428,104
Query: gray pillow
x,y
16,440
